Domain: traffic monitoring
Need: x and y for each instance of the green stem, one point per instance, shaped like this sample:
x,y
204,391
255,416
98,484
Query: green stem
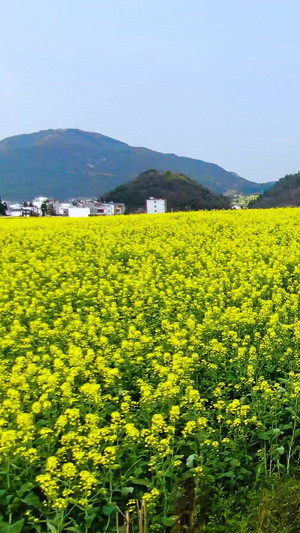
x,y
292,440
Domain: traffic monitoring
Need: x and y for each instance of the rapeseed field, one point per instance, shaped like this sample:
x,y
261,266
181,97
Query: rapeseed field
x,y
149,369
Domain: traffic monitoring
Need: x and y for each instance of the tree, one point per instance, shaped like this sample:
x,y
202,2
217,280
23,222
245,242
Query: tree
x,y
44,209
47,208
3,207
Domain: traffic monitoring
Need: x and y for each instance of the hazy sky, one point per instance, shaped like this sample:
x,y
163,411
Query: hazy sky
x,y
212,79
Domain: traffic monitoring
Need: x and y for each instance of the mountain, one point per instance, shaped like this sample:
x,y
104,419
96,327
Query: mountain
x,y
68,163
181,193
285,192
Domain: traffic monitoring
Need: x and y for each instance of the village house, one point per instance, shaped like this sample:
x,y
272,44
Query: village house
x,y
78,211
156,205
42,206
107,209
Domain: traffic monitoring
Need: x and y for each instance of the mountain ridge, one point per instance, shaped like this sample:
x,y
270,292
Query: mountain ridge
x,y
68,162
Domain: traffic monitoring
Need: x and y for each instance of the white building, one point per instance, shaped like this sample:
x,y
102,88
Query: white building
x,y
20,210
30,211
37,202
53,205
63,208
14,210
106,209
81,211
119,209
156,205
110,208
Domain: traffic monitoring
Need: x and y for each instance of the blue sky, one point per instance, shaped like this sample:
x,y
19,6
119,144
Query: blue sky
x,y
209,79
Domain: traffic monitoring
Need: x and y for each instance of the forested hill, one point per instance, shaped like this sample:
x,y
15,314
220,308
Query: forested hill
x,y
181,193
285,192
69,163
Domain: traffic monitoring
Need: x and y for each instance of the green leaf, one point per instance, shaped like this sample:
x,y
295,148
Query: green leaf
x,y
89,518
51,528
287,426
280,450
259,471
31,499
4,497
187,474
276,432
234,463
285,381
244,470
127,490
17,526
190,460
25,488
108,510
12,528
43,422
264,435
140,481
290,410
230,474
3,494
226,452
169,521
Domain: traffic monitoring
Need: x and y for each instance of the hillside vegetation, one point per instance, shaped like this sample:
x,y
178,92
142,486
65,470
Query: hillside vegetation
x,y
284,193
68,163
181,193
